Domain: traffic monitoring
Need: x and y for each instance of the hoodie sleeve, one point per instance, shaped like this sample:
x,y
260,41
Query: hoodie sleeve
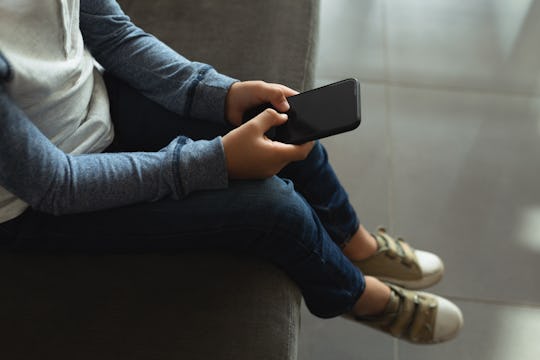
x,y
49,180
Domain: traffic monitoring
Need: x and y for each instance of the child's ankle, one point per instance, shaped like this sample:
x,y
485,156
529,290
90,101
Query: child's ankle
x,y
374,299
361,246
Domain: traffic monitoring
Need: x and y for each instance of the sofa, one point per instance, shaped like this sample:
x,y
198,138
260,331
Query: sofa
x,y
164,306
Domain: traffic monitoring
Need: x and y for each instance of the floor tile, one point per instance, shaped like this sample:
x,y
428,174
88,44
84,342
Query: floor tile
x,y
351,39
485,44
491,332
341,339
466,175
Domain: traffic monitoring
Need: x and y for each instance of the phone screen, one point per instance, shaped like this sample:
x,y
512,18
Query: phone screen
x,y
319,113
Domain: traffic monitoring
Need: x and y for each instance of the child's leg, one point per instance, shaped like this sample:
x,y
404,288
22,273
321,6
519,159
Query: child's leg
x,y
267,219
315,179
414,316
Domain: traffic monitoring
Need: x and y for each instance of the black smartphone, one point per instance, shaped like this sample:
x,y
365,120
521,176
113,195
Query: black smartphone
x,y
317,113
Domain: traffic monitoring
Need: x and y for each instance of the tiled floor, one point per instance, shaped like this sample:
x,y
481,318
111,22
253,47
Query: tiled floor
x,y
448,156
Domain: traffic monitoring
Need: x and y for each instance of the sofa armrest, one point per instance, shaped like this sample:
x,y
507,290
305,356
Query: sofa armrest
x,y
146,307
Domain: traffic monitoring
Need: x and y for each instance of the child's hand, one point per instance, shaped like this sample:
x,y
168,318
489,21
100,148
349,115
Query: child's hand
x,y
251,155
245,95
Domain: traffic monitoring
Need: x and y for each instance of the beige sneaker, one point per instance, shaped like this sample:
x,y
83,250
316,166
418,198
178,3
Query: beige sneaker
x,y
397,262
417,317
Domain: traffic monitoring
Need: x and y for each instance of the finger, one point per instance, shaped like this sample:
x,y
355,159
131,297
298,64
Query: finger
x,y
268,119
286,90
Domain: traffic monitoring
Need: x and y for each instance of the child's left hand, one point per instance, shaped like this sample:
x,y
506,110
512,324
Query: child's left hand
x,y
245,95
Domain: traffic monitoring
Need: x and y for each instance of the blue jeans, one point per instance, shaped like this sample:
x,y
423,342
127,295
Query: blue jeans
x,y
298,220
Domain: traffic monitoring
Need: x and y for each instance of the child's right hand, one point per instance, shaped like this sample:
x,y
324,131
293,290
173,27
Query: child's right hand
x,y
252,155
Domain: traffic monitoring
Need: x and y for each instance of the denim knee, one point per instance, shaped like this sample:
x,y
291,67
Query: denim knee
x,y
298,242
316,180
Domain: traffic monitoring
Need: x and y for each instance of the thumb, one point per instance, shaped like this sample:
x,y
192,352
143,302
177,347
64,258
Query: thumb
x,y
268,119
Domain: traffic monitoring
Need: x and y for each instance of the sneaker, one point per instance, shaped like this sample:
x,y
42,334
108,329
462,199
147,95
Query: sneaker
x,y
397,262
417,317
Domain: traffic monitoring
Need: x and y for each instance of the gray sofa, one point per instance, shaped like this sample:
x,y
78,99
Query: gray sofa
x,y
172,306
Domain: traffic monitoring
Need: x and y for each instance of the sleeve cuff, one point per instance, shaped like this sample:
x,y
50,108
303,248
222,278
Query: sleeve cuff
x,y
202,166
210,96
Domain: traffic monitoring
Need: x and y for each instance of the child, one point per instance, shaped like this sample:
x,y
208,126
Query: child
x,y
179,171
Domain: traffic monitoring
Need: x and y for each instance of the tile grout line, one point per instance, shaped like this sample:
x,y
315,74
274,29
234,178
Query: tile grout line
x,y
388,134
389,146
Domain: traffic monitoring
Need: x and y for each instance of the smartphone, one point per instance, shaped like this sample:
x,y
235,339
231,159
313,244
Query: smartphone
x,y
317,113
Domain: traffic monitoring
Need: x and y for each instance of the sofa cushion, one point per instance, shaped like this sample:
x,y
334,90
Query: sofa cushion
x,y
259,39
